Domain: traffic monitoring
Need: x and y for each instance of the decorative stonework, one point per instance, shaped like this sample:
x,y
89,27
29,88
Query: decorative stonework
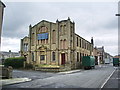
x,y
60,48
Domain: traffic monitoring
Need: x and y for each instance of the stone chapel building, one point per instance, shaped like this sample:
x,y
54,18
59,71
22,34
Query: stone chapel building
x,y
55,44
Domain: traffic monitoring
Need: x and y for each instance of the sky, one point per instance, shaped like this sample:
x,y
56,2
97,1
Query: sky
x,y
92,19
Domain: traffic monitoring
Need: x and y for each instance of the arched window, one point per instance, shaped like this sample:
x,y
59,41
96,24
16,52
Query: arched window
x,y
43,29
53,56
64,44
61,30
33,38
39,31
32,56
61,44
64,29
53,36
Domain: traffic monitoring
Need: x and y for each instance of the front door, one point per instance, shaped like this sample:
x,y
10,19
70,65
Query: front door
x,y
62,58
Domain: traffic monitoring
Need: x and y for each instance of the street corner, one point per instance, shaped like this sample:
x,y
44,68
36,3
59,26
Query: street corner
x,y
13,81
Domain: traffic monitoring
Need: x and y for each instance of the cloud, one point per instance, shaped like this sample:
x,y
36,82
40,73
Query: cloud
x,y
91,20
10,44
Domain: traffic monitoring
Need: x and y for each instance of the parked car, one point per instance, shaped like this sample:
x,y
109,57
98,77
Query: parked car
x,y
107,61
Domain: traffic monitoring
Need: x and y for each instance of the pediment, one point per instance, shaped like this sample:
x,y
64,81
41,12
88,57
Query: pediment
x,y
42,48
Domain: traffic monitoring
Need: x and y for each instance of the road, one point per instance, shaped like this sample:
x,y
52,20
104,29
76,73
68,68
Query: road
x,y
114,80
94,78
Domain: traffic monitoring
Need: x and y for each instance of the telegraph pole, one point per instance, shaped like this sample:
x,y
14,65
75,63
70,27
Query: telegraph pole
x,y
118,15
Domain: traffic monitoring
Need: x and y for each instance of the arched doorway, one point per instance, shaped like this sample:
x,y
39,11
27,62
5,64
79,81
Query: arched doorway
x,y
62,58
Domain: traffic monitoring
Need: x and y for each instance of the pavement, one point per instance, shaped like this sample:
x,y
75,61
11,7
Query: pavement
x,y
19,80
93,78
13,81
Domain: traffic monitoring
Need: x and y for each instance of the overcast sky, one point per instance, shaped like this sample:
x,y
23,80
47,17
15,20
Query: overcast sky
x,y
92,19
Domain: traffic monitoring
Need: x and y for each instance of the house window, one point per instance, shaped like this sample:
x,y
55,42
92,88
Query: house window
x,y
53,56
77,41
80,42
80,57
77,56
42,57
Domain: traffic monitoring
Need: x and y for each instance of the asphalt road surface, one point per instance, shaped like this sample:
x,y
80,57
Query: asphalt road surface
x,y
94,78
114,80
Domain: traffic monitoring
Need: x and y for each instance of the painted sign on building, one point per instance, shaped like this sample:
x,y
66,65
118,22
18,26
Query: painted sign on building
x,y
42,36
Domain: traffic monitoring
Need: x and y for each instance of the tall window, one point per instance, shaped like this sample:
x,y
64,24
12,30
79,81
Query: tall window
x,y
77,41
61,44
77,56
80,57
53,36
64,30
33,38
64,44
42,35
61,29
84,44
53,56
32,56
71,29
42,57
46,41
26,47
80,42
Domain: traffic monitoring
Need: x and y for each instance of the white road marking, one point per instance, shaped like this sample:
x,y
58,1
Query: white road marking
x,y
107,80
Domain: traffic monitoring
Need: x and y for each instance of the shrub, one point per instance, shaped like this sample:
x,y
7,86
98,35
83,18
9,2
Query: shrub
x,y
16,62
28,66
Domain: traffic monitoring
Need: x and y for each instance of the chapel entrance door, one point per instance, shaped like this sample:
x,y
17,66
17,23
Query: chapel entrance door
x,y
62,58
